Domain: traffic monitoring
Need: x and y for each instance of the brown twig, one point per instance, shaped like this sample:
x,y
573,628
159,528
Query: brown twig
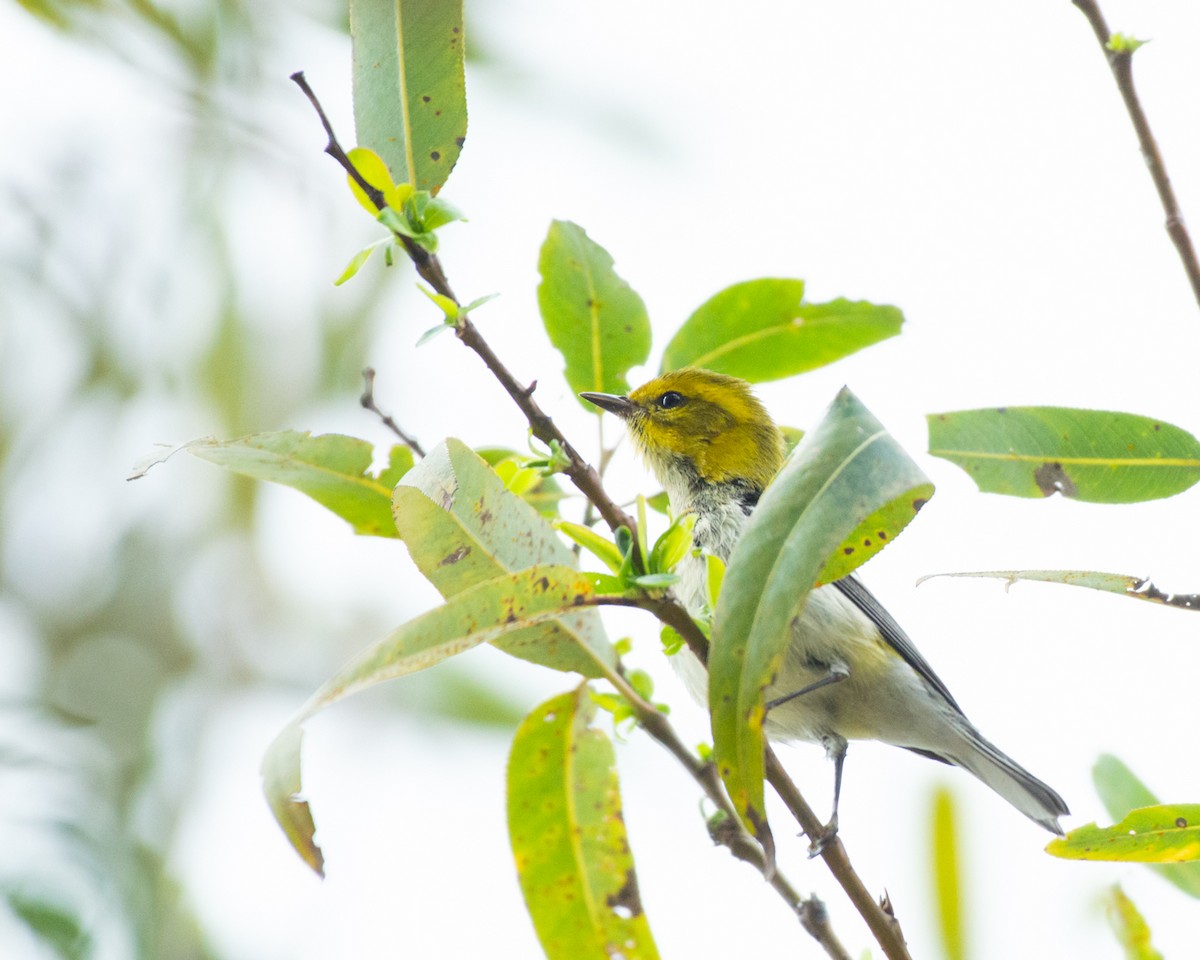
x,y
368,402
1121,64
666,609
731,834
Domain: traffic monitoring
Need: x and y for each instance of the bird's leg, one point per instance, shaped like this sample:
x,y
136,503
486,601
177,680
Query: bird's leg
x,y
837,671
835,746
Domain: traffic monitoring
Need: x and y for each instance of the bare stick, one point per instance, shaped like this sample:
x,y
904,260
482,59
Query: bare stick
x,y
368,402
1121,64
730,834
665,608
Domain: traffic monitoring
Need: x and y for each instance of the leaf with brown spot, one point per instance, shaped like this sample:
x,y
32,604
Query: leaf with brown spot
x,y
1092,455
453,504
569,839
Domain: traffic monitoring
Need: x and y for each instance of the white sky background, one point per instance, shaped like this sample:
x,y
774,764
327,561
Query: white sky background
x,y
969,163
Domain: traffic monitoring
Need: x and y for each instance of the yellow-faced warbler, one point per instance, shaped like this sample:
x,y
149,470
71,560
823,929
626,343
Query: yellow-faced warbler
x,y
851,672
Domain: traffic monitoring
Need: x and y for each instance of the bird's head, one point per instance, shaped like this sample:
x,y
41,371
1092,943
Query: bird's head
x,y
698,427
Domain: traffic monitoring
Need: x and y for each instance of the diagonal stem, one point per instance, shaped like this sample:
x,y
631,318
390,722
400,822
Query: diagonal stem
x,y
882,923
1121,64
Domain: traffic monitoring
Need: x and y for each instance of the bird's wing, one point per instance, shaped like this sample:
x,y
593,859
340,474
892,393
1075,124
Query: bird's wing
x,y
893,633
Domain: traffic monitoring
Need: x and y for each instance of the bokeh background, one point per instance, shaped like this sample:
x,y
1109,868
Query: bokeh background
x,y
169,237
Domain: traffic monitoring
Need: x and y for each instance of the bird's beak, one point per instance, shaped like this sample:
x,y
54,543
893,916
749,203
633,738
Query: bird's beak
x,y
622,406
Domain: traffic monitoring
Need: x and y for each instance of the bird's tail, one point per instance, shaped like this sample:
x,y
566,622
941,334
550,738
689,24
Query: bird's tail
x,y
1012,781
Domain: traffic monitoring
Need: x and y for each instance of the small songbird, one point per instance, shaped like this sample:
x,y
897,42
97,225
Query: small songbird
x,y
851,672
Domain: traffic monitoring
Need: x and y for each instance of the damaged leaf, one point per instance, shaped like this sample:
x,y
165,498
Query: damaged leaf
x,y
1088,455
332,469
462,526
476,615
568,836
1139,588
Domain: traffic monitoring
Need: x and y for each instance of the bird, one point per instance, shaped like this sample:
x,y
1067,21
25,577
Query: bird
x,y
850,671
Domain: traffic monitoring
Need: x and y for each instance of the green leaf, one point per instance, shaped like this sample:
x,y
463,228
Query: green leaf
x,y
1130,927
600,546
1121,791
332,469
1169,833
479,614
592,316
1090,455
357,261
462,526
544,496
674,544
1123,43
844,472
448,307
410,99
764,330
1139,588
568,837
947,876
53,925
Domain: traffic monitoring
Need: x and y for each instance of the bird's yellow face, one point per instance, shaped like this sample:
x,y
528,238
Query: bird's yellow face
x,y
700,421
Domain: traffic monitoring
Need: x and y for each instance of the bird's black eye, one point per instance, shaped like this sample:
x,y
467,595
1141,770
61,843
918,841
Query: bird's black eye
x,y
670,400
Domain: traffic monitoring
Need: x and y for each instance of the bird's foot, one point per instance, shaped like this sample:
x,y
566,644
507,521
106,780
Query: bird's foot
x,y
828,833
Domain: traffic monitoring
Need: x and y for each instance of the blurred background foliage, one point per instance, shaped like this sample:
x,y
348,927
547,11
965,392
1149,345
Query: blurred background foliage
x,y
135,309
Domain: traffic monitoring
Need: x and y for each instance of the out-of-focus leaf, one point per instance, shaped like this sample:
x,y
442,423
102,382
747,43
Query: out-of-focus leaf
x,y
332,469
282,785
1121,791
410,98
1168,833
481,613
593,317
568,836
57,928
357,261
847,490
1139,588
764,330
1090,455
544,496
462,527
1130,927
947,876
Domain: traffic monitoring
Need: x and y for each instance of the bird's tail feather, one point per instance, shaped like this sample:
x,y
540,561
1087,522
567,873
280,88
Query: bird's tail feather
x,y
1013,782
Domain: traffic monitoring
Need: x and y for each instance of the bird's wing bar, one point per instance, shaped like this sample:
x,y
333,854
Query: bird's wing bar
x,y
893,633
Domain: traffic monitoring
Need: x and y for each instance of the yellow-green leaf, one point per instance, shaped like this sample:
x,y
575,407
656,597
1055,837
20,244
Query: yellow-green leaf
x,y
1130,927
947,875
1168,833
568,836
1121,791
477,615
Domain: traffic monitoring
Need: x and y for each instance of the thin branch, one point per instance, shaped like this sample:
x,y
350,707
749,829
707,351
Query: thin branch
x,y
368,402
1121,64
731,834
666,609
